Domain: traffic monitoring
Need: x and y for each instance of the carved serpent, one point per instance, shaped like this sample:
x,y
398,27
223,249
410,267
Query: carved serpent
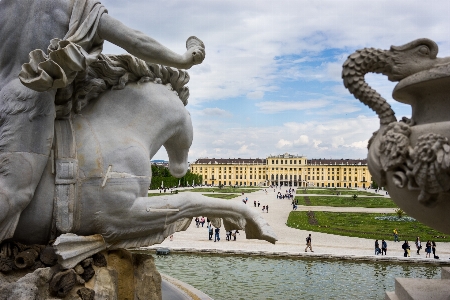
x,y
397,63
424,166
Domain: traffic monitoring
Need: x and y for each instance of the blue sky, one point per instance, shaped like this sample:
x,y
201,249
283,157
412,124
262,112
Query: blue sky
x,y
271,79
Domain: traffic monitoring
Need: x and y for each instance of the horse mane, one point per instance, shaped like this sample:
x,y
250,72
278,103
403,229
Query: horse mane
x,y
114,72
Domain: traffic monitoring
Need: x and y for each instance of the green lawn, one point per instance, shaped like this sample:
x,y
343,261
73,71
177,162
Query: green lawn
x,y
222,196
333,192
362,225
337,201
159,194
222,190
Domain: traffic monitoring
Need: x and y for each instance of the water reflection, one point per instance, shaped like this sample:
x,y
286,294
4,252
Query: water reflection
x,y
238,277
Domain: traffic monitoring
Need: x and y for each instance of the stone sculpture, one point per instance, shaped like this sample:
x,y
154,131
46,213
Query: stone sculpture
x,y
411,158
83,178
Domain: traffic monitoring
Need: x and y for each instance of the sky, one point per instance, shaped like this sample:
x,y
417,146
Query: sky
x,y
271,80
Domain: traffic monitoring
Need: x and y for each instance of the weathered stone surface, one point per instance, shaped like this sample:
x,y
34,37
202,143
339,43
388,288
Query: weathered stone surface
x,y
48,256
86,294
99,260
26,258
63,282
79,269
105,285
88,273
6,264
31,286
121,262
147,280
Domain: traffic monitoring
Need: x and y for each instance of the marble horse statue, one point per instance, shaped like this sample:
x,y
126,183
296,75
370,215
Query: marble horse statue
x,y
411,158
78,130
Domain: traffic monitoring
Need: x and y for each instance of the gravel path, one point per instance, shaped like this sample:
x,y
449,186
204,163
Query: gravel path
x,y
292,241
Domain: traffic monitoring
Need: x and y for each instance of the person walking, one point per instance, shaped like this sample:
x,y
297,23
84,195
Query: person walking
x,y
428,249
235,233
406,248
267,208
418,245
433,248
217,234
210,231
383,247
308,244
377,248
396,235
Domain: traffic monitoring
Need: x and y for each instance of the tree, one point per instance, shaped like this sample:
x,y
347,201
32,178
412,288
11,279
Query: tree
x,y
161,174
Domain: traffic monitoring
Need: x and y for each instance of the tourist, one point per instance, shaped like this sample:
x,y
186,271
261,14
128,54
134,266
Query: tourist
x,y
267,208
377,248
228,235
428,249
433,248
264,207
418,245
236,232
171,237
217,234
254,203
308,243
202,220
383,247
406,248
259,204
197,222
210,231
395,235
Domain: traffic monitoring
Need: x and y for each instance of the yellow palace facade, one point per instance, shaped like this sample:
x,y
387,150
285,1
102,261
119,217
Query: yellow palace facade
x,y
283,170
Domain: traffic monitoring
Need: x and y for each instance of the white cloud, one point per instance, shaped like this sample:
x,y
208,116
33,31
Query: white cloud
x,y
215,112
283,143
270,107
291,50
255,95
302,140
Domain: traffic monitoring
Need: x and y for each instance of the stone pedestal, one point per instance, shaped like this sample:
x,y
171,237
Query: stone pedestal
x,y
421,289
113,275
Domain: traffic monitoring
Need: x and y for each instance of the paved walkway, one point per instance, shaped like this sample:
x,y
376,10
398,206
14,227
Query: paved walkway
x,y
292,241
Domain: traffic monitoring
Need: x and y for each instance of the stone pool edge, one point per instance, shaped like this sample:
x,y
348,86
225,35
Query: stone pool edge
x,y
283,254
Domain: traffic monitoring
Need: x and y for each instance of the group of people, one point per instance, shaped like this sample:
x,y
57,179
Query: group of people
x,y
199,221
383,249
265,208
430,247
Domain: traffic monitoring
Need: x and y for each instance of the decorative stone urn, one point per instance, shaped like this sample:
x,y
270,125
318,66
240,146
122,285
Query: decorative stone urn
x,y
410,158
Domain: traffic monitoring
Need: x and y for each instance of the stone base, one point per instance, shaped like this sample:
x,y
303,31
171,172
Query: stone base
x,y
421,289
112,275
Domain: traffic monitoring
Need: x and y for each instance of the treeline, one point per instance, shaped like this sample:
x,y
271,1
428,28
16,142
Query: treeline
x,y
161,174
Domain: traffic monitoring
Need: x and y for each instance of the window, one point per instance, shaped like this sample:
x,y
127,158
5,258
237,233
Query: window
x,y
206,177
290,161
281,161
250,176
332,177
356,178
295,162
219,177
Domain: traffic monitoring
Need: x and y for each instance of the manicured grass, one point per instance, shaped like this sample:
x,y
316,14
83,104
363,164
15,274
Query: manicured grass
x,y
222,196
337,201
333,192
223,190
159,194
362,225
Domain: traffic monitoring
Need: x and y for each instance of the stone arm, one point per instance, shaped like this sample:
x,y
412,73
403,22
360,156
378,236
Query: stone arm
x,y
145,47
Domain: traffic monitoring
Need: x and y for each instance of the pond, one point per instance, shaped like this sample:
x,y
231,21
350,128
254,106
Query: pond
x,y
245,277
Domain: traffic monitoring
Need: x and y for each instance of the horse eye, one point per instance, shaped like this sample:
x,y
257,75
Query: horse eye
x,y
424,50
